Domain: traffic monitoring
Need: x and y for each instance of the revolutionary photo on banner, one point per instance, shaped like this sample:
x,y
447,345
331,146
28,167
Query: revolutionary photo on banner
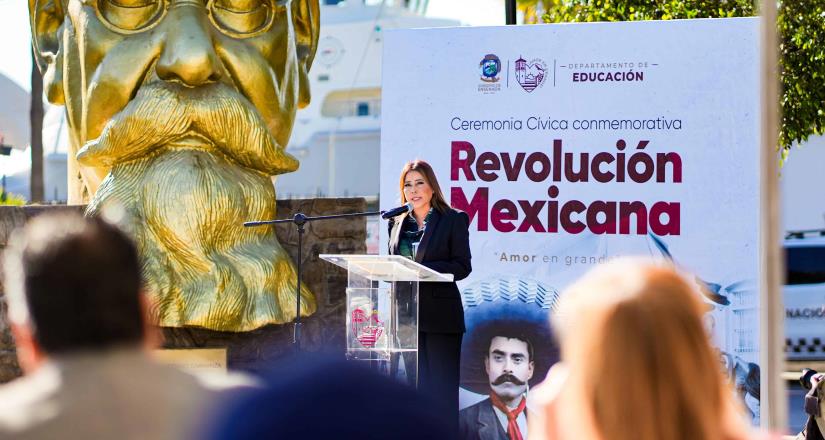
x,y
570,145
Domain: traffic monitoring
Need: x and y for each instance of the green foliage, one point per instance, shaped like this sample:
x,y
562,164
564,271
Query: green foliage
x,y
633,10
801,27
9,199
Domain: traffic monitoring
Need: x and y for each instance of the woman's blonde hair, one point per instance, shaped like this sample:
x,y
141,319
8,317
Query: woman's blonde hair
x,y
639,357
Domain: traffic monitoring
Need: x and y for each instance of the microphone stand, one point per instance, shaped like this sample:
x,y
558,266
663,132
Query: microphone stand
x,y
299,220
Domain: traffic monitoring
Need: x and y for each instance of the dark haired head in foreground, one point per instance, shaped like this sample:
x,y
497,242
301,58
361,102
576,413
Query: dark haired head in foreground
x,y
321,398
76,283
77,315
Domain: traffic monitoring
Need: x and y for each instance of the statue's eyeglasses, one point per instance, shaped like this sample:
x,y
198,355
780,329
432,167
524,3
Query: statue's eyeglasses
x,y
236,18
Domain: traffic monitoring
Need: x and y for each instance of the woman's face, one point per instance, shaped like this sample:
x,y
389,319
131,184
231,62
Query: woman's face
x,y
417,190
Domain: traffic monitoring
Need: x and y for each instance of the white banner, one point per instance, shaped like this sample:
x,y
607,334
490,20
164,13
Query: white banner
x,y
571,144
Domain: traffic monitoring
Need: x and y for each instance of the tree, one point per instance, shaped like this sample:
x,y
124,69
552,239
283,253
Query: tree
x,y
802,47
36,117
801,26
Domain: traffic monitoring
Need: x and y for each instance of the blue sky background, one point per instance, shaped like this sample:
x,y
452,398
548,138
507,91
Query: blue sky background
x,y
15,34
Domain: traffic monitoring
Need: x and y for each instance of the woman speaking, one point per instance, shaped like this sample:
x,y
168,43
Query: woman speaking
x,y
436,236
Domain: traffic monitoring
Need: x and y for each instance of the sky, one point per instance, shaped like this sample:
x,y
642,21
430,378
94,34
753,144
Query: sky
x,y
14,32
15,63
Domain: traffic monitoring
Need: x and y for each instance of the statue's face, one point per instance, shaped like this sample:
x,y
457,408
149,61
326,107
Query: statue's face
x,y
179,113
111,49
122,44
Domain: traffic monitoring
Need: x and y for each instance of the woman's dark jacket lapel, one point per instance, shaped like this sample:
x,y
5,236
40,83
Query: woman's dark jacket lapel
x,y
429,229
395,232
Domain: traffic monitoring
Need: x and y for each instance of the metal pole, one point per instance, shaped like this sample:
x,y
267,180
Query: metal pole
x,y
299,220
36,190
510,11
771,311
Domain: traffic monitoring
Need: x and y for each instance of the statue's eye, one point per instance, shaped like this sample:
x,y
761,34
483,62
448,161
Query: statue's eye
x,y
130,15
243,18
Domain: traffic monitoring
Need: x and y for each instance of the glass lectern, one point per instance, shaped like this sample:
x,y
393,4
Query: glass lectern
x,y
382,311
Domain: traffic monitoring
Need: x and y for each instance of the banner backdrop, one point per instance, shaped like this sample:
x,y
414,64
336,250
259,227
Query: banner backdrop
x,y
569,145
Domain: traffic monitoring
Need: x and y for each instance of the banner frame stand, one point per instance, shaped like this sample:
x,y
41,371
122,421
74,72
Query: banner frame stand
x,y
771,329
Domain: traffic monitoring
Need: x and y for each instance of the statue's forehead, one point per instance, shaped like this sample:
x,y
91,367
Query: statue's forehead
x,y
239,19
176,2
180,2
168,2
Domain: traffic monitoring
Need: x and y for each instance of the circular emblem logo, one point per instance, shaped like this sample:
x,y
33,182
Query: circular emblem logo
x,y
490,67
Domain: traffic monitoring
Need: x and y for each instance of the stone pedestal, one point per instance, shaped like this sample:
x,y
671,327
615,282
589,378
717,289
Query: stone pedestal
x,y
258,349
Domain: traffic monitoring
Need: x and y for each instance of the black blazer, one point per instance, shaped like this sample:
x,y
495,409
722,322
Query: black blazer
x,y
445,248
479,422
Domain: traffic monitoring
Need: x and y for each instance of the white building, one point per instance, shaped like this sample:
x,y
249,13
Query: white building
x,y
801,179
337,137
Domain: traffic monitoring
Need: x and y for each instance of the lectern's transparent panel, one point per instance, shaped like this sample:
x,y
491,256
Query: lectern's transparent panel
x,y
382,327
382,311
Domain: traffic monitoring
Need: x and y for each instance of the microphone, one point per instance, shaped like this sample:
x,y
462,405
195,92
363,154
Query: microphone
x,y
397,211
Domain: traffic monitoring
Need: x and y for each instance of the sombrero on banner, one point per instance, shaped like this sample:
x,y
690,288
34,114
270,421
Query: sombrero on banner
x,y
510,307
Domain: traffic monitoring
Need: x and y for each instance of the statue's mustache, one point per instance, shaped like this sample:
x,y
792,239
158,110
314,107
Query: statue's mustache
x,y
160,114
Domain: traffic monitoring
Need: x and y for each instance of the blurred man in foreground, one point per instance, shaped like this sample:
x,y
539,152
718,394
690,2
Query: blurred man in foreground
x,y
77,315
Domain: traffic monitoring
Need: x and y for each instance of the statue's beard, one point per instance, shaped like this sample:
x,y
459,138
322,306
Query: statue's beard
x,y
186,197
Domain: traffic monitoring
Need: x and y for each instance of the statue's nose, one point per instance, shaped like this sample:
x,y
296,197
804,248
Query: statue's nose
x,y
188,54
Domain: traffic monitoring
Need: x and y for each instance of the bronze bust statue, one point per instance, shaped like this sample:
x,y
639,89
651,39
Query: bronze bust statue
x,y
179,114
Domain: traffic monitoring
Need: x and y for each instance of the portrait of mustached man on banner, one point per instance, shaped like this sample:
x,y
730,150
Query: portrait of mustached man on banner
x,y
179,113
508,348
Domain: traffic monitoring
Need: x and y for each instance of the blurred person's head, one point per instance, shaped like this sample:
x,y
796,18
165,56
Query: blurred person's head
x,y
322,398
639,360
73,284
509,365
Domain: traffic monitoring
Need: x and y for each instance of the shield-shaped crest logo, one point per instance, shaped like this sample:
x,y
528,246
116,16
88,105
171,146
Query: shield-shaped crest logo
x,y
530,75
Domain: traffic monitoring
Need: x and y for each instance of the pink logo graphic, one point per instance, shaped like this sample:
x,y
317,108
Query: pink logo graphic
x,y
530,75
367,329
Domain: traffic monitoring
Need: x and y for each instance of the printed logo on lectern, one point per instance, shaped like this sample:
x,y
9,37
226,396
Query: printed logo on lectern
x,y
530,75
366,327
490,67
